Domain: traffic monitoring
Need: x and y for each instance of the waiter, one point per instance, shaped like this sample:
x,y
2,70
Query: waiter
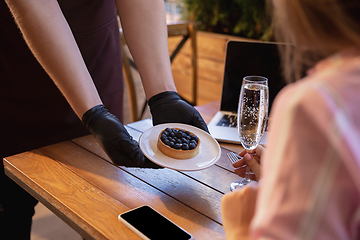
x,y
61,78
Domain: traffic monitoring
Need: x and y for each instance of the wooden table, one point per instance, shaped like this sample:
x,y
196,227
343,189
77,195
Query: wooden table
x,y
77,181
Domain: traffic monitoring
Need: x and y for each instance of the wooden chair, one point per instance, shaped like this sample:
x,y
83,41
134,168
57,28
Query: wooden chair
x,y
185,29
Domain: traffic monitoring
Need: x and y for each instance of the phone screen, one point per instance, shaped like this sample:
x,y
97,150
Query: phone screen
x,y
153,225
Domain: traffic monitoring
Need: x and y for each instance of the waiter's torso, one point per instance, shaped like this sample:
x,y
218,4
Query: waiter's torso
x,y
33,111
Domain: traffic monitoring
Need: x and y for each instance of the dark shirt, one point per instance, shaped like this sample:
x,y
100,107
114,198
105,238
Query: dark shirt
x,y
33,112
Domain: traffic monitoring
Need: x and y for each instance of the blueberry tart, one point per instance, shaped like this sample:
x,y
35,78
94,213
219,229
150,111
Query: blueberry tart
x,y
178,143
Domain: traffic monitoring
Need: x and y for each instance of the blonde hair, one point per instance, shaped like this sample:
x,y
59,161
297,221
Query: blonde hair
x,y
317,28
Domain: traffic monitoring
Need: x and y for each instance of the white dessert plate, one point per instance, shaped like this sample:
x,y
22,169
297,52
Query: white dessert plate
x,y
209,149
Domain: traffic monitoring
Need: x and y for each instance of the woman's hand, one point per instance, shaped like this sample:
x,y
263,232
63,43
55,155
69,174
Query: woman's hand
x,y
251,158
237,209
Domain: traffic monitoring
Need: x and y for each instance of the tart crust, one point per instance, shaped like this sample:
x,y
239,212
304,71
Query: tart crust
x,y
177,153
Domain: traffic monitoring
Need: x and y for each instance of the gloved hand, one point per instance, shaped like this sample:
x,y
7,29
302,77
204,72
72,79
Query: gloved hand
x,y
117,143
167,107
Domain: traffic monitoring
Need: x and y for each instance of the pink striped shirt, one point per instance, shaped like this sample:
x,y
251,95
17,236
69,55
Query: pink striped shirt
x,y
311,170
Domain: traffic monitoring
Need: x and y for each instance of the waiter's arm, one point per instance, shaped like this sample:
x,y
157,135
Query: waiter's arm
x,y
49,37
145,30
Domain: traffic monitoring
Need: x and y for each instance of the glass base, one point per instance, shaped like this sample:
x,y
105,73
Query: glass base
x,y
239,184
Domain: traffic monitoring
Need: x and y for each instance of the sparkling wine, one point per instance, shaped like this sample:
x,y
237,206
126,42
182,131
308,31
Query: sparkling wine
x,y
252,114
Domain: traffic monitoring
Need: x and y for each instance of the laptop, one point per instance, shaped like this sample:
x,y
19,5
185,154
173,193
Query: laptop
x,y
243,59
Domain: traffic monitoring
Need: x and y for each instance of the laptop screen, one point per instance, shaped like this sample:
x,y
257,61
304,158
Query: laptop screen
x,y
250,58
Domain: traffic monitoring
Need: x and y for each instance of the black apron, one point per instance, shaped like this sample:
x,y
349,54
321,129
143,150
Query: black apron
x,y
33,112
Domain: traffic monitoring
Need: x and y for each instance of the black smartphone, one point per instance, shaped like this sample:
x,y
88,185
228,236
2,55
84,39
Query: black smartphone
x,y
147,223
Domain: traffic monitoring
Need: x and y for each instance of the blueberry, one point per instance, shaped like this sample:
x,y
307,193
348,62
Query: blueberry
x,y
166,142
185,146
174,130
172,134
171,144
187,133
168,130
184,140
177,146
163,137
179,134
192,145
195,138
178,141
193,141
188,137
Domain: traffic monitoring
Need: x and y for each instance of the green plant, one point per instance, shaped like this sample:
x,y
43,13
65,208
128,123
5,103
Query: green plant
x,y
245,18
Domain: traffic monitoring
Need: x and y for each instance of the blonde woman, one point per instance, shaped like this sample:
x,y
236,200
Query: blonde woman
x,y
310,186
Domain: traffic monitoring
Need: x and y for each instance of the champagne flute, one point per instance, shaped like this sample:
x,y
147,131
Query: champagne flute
x,y
252,117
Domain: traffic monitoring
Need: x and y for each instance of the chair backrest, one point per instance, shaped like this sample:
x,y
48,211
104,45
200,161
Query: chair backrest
x,y
185,29
188,31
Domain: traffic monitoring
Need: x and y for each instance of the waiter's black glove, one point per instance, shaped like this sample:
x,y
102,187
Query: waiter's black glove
x,y
167,107
117,143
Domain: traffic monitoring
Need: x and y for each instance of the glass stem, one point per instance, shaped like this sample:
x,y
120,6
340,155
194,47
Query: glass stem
x,y
247,174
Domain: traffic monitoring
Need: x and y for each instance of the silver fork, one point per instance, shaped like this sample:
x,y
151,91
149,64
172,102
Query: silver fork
x,y
233,157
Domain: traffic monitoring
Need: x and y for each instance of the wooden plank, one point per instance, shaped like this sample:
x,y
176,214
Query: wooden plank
x,y
211,51
83,206
133,192
213,45
183,85
177,28
220,183
211,70
173,42
182,62
174,183
164,179
208,92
